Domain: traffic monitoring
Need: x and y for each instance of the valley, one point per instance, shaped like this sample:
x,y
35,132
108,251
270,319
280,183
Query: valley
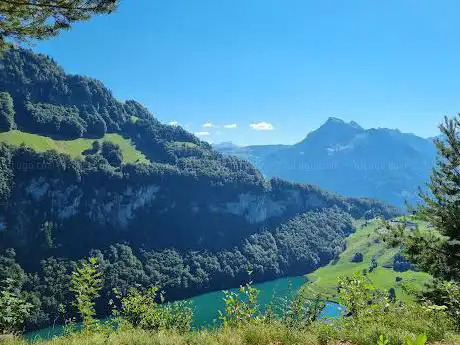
x,y
129,216
322,283
154,204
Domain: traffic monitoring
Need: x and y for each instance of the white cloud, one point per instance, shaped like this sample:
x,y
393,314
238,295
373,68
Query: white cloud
x,y
173,123
262,126
202,134
231,126
208,125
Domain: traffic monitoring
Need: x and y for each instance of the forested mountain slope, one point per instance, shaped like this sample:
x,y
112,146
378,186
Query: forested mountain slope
x,y
345,158
180,215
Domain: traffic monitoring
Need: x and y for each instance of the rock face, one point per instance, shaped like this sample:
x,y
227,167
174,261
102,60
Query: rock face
x,y
100,205
254,208
257,209
120,209
357,257
155,213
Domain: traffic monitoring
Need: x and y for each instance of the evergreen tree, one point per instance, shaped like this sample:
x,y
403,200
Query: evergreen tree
x,y
6,173
437,251
6,112
439,255
23,20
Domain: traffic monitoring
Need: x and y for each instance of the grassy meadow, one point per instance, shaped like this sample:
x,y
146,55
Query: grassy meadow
x,y
74,148
366,240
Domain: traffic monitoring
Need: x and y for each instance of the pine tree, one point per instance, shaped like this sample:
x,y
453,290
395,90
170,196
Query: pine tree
x,y
6,112
25,20
438,251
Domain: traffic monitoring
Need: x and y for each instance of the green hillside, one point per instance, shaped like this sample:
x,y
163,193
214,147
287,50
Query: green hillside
x,y
193,221
74,148
366,241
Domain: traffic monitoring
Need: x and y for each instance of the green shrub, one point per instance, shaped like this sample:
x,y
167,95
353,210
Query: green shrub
x,y
86,285
371,314
302,311
13,309
445,296
142,310
240,307
360,298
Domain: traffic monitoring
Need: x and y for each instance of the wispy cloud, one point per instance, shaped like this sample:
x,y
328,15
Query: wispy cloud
x,y
231,126
262,126
173,123
208,125
202,134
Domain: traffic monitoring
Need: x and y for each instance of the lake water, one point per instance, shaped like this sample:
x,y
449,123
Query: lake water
x,y
206,307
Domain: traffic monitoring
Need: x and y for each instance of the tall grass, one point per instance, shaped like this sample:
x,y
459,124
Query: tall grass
x,y
256,333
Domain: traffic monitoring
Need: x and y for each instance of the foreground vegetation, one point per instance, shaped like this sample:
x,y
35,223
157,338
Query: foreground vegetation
x,y
250,334
142,317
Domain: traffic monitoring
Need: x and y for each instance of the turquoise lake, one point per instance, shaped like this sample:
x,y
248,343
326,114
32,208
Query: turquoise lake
x,y
206,307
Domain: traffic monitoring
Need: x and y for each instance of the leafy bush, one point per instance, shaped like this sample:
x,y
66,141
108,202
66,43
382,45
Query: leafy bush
x,y
445,296
142,310
360,298
240,307
302,311
87,283
13,309
371,314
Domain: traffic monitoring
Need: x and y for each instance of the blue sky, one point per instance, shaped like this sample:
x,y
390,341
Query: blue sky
x,y
282,66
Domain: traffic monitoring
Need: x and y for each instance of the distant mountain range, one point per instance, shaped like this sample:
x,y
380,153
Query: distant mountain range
x,y
345,158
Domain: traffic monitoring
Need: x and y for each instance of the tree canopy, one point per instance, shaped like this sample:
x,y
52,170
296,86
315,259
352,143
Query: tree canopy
x,y
26,20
